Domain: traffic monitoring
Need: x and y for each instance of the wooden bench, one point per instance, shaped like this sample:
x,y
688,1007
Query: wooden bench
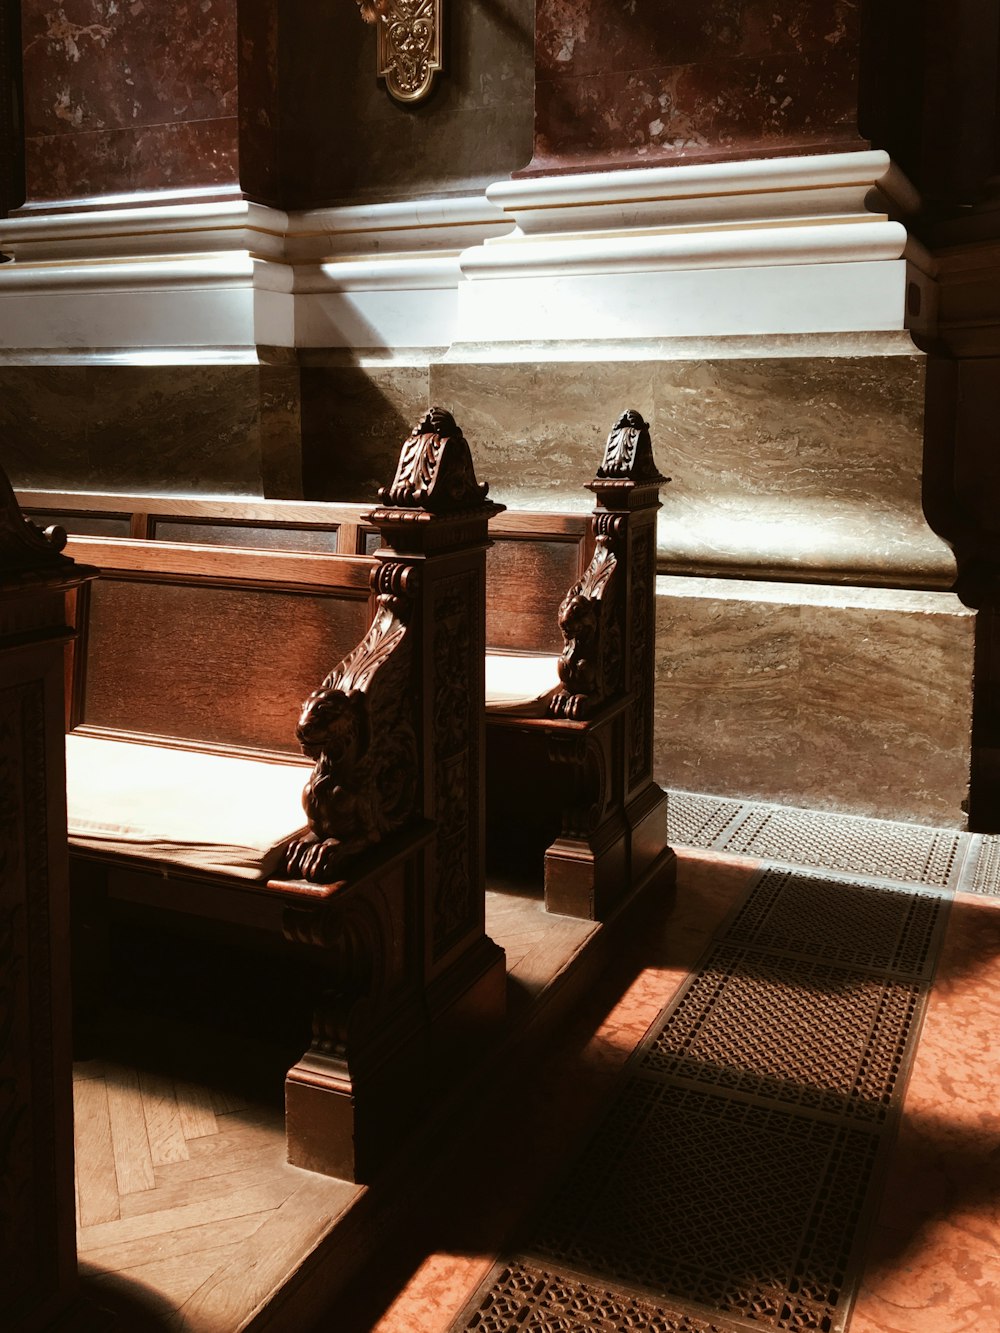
x,y
569,779
195,659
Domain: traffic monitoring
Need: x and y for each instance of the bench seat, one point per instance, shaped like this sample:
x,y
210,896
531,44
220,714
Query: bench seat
x,y
182,808
166,799
517,681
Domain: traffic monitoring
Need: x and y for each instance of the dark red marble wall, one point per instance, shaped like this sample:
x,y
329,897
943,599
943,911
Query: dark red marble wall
x,y
11,138
642,82
125,95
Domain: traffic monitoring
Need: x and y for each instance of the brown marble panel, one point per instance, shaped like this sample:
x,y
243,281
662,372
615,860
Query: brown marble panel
x,y
540,429
746,107
170,429
65,166
604,35
127,95
816,698
354,420
112,64
259,128
886,704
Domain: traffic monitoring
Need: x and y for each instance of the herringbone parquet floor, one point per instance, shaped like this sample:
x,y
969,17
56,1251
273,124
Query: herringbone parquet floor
x,y
184,1192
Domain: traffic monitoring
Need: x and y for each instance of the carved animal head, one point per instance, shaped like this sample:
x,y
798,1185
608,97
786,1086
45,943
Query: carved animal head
x,y
372,10
578,617
334,725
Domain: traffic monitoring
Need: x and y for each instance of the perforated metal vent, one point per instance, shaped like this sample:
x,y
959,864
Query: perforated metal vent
x,y
731,1178
983,872
866,847
699,821
790,1032
745,1209
872,848
528,1297
837,921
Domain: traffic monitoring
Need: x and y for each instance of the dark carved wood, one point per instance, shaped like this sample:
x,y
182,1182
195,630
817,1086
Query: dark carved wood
x,y
595,613
359,727
435,472
623,841
37,1223
386,906
598,736
414,675
590,621
608,560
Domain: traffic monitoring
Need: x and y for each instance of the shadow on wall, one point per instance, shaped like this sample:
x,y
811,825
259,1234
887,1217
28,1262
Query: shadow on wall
x,y
354,419
345,138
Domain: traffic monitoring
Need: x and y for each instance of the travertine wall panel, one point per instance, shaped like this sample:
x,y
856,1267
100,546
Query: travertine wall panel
x,y
539,429
803,466
844,699
168,429
354,419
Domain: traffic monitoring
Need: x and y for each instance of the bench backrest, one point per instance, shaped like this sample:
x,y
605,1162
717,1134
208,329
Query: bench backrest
x,y
209,644
534,558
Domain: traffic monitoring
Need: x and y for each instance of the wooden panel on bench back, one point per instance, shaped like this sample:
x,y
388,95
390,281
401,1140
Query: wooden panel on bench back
x,y
534,559
210,644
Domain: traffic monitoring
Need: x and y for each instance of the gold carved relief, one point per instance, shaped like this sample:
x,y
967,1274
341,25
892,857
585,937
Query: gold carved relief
x,y
409,44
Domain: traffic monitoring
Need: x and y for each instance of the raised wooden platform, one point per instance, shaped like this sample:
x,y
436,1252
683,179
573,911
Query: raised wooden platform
x,y
190,1218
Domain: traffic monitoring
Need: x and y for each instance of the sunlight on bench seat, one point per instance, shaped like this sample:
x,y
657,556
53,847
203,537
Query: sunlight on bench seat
x,y
182,807
519,680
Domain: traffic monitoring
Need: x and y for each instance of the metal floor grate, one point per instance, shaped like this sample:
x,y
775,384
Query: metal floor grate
x,y
871,848
772,1202
982,875
532,1298
732,1177
805,1034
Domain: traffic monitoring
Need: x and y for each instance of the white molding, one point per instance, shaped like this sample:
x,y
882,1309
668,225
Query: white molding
x,y
789,247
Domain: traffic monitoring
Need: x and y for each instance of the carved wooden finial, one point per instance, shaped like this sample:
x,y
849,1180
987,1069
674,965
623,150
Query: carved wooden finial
x,y
628,454
435,471
23,544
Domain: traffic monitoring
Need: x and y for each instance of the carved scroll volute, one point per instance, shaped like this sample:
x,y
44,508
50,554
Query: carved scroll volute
x,y
360,729
589,617
361,724
409,44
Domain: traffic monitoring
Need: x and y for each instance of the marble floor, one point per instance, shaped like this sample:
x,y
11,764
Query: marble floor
x,y
875,1037
920,1234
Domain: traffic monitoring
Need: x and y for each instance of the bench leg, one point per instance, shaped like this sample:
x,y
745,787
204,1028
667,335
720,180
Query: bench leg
x,y
348,1099
586,868
610,847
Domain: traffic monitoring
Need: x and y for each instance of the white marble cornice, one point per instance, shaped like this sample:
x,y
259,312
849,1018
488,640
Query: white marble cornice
x,y
797,246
